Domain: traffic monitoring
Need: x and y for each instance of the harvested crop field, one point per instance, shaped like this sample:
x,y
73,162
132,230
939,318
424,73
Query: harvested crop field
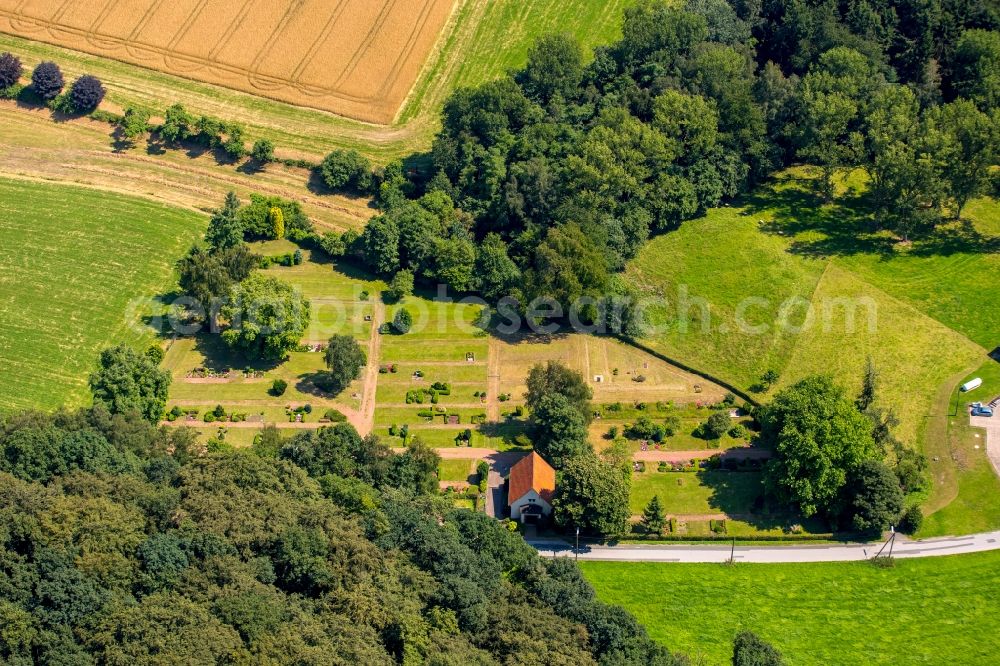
x,y
357,58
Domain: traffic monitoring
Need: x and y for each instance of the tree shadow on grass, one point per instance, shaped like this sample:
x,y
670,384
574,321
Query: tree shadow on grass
x,y
219,357
314,384
512,432
843,227
846,226
740,494
959,237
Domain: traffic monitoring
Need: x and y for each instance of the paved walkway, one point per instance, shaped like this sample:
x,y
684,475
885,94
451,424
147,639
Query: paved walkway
x,y
974,543
364,419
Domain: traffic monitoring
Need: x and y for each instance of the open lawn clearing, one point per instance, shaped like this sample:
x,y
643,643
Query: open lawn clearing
x,y
598,357
696,492
250,394
701,275
328,318
462,373
466,55
462,470
319,278
914,353
280,50
81,152
401,349
976,504
439,320
71,261
940,610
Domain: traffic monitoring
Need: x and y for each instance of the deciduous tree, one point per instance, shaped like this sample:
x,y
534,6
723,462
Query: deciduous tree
x,y
129,381
10,70
875,500
344,360
266,318
594,496
86,94
819,438
556,378
559,429
47,80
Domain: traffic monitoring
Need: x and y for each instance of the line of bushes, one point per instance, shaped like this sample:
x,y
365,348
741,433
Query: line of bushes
x,y
340,170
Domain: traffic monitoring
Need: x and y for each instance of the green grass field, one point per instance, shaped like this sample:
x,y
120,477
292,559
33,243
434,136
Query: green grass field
x,y
695,493
71,262
460,470
937,610
470,55
845,292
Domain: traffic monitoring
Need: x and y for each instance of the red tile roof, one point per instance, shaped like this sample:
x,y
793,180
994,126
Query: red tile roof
x,y
531,473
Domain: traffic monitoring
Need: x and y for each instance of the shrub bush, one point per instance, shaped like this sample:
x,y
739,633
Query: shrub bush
x,y
47,81
346,169
209,417
716,426
10,70
738,431
12,92
86,94
403,321
278,387
263,151
911,520
219,411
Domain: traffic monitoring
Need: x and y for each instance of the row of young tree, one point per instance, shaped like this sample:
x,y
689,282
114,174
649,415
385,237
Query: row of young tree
x,y
48,84
545,182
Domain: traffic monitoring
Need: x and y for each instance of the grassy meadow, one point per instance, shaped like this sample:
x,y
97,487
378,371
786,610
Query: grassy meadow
x,y
71,262
845,291
933,610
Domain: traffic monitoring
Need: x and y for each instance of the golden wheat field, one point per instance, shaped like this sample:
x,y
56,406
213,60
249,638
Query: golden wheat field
x,y
356,58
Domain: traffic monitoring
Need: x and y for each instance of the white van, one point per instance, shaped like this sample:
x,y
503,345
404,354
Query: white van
x,y
971,384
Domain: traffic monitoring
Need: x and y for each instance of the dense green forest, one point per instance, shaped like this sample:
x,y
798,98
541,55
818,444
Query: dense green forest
x,y
123,543
545,182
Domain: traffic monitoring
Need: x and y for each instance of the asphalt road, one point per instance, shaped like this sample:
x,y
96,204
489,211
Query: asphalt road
x,y
903,548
